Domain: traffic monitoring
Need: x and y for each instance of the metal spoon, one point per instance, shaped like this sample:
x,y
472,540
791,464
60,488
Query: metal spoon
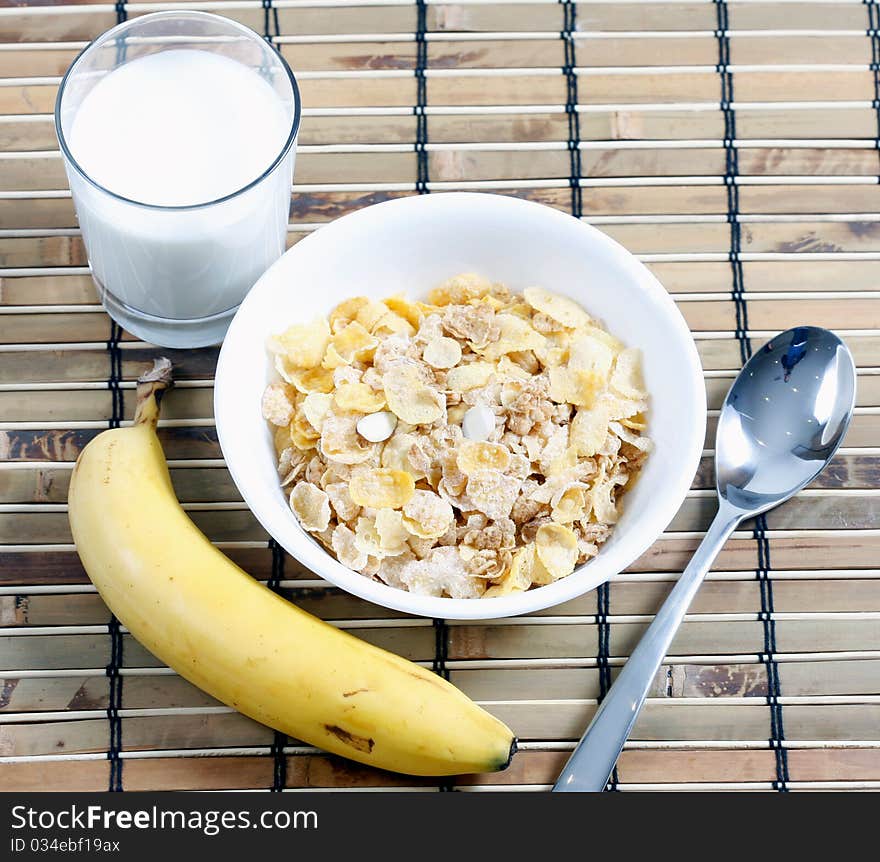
x,y
782,420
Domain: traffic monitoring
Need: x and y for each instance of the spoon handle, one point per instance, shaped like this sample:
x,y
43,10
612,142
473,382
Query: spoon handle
x,y
594,758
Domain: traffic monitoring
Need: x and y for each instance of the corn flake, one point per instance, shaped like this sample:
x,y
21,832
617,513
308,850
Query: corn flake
x,y
278,404
381,488
493,493
343,543
463,378
474,455
516,334
308,380
346,311
352,343
626,379
409,311
358,397
370,313
340,441
427,516
315,408
575,386
556,547
518,576
560,308
569,503
302,345
589,428
391,531
409,398
312,506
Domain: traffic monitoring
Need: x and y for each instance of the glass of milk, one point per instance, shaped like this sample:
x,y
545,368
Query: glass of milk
x,y
178,133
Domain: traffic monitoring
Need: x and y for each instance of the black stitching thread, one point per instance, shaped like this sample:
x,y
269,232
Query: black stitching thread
x,y
777,729
441,629
115,377
114,705
731,174
421,99
603,607
279,740
874,35
438,665
441,648
121,17
114,746
569,25
117,411
270,21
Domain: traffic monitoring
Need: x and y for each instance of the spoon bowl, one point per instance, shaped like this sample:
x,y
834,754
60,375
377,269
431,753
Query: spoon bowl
x,y
784,417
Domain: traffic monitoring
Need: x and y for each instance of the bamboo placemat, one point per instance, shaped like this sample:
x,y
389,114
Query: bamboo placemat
x,y
732,145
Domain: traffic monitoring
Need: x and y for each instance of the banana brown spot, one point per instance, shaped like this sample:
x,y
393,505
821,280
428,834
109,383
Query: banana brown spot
x,y
359,743
356,691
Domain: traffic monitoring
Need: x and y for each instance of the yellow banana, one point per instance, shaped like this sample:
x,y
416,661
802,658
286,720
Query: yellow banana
x,y
228,634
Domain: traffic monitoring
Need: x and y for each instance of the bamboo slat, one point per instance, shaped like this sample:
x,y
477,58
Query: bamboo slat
x,y
651,128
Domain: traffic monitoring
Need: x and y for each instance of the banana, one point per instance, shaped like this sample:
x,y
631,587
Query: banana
x,y
228,634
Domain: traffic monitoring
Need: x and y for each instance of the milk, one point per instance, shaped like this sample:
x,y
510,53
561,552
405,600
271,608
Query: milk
x,y
180,128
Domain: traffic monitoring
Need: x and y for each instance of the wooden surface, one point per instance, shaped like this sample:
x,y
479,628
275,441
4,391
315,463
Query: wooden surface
x,y
725,713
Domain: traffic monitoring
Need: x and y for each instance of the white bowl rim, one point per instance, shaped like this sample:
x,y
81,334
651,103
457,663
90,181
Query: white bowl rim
x,y
313,556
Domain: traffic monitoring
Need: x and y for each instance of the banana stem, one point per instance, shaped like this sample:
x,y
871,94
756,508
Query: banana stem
x,y
150,387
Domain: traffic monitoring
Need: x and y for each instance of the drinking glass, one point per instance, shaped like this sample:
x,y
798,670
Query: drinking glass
x,y
175,275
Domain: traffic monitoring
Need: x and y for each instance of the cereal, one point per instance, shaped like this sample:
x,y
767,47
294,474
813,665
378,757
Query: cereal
x,y
590,354
492,492
569,503
427,516
556,548
277,404
442,352
315,407
477,444
518,576
392,533
347,552
302,345
474,455
395,453
358,397
340,441
515,335
308,380
575,386
345,312
346,509
477,423
558,308
588,428
409,311
409,398
377,426
391,323
382,488
366,537
470,376
353,342
370,313
312,506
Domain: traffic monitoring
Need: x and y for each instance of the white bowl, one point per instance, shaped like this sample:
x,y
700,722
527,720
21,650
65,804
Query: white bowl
x,y
409,245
